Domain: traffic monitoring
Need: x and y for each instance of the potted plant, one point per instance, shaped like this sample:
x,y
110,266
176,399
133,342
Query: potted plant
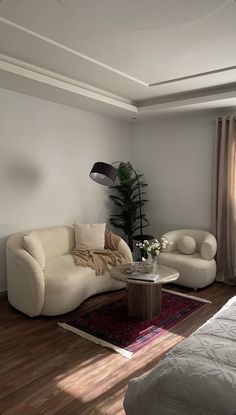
x,y
129,199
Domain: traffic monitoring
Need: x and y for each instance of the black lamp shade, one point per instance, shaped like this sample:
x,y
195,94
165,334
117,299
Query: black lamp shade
x,y
103,173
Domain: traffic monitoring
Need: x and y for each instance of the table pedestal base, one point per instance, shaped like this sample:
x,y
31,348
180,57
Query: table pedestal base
x,y
144,301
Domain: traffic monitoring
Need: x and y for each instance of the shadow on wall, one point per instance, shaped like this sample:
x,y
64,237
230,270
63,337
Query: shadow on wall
x,y
21,175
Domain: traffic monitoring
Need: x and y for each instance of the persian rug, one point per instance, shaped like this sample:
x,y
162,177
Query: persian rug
x,y
110,326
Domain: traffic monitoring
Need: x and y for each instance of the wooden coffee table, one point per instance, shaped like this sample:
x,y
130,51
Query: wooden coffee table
x,y
144,297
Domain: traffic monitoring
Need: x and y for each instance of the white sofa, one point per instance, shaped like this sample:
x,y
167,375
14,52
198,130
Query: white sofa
x,y
197,377
198,269
60,286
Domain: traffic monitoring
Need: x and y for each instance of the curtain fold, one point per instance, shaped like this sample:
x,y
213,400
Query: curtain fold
x,y
224,198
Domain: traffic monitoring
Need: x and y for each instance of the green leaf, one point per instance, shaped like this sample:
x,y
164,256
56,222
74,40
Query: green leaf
x,y
125,196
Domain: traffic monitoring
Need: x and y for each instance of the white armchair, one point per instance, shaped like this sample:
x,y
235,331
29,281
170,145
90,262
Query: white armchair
x,y
191,252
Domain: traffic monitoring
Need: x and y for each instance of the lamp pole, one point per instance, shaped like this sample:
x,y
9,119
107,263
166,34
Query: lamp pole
x,y
140,208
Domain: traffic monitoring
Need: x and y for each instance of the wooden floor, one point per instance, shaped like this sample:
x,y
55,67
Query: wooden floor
x,y
47,370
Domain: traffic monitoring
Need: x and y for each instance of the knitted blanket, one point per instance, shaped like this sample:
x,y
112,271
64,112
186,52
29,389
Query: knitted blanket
x,y
101,260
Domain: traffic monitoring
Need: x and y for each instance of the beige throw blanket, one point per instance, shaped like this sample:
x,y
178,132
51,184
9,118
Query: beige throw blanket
x,y
101,260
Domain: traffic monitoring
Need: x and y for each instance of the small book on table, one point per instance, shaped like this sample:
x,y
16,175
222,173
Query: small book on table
x,y
144,277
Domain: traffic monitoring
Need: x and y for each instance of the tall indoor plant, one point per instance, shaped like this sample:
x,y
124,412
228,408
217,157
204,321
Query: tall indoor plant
x,y
129,198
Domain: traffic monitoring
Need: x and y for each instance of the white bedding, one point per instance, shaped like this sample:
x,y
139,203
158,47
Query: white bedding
x,y
197,377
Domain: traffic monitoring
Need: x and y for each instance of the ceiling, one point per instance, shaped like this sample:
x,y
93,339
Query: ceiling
x,y
127,58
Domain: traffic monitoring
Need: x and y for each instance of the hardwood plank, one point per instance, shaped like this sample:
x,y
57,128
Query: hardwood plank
x,y
21,409
47,370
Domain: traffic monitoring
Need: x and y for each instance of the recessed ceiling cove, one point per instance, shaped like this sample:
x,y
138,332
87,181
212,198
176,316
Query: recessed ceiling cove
x,y
144,15
121,56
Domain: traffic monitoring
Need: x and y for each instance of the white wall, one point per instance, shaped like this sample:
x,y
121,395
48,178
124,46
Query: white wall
x,y
46,153
176,153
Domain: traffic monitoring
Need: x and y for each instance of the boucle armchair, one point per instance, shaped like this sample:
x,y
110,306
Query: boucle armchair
x,y
57,285
191,252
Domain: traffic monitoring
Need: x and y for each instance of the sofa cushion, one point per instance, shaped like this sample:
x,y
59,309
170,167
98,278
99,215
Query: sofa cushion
x,y
33,245
186,244
90,236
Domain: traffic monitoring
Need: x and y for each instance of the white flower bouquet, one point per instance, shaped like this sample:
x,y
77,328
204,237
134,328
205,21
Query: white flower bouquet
x,y
154,247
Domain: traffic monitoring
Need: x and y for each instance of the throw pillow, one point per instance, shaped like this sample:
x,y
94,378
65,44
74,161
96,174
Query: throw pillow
x,y
186,245
90,236
33,245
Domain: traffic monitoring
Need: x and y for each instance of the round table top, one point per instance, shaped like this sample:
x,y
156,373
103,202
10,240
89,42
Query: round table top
x,y
123,271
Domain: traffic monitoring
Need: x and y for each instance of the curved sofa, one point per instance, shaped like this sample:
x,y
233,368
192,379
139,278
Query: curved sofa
x,y
198,269
60,286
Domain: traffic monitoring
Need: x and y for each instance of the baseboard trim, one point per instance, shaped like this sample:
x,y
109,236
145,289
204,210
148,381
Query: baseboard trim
x,y
3,293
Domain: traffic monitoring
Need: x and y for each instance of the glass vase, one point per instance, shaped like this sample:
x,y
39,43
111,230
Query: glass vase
x,y
153,261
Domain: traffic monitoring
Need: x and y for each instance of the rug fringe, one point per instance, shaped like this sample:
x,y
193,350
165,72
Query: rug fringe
x,y
122,352
192,297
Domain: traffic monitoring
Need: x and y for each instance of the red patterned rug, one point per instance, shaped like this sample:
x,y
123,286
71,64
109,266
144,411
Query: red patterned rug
x,y
110,326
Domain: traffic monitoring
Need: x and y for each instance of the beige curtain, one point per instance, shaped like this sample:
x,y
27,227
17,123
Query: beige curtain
x,y
224,198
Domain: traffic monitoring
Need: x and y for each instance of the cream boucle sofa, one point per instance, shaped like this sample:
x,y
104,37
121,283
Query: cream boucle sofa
x,y
61,286
198,269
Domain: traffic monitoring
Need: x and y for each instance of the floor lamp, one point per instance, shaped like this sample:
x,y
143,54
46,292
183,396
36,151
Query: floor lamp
x,y
105,174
